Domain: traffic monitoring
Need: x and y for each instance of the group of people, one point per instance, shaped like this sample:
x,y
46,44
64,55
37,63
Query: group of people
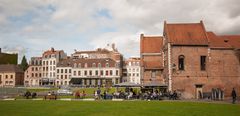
x,y
28,94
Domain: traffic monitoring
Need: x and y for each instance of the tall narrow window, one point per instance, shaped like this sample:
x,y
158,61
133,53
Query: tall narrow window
x,y
203,62
153,74
181,62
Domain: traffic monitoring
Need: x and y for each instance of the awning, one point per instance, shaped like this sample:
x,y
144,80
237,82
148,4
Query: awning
x,y
76,80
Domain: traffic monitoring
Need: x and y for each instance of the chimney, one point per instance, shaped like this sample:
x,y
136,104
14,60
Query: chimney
x,y
52,49
0,50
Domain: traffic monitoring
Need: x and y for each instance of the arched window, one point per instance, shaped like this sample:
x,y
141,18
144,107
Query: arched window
x,y
181,62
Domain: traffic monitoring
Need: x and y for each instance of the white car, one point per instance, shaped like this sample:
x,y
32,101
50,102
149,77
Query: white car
x,y
64,92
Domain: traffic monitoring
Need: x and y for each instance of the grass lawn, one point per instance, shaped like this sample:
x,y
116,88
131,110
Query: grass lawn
x,y
117,108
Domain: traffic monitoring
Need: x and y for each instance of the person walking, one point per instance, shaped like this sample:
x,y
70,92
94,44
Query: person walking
x,y
234,96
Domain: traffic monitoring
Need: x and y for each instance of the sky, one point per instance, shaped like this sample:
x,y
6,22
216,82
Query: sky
x,y
30,27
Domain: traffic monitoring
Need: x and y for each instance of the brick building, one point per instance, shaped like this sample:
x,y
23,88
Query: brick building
x,y
11,75
196,61
151,59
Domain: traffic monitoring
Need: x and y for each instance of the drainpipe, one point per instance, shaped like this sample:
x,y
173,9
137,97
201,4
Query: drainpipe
x,y
169,68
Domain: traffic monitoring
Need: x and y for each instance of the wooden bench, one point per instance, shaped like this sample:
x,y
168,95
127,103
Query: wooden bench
x,y
50,97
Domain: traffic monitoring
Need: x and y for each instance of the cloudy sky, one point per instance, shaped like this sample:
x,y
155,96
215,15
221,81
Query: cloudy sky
x,y
32,26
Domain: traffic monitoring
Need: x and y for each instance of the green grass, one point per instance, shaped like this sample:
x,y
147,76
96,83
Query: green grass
x,y
110,108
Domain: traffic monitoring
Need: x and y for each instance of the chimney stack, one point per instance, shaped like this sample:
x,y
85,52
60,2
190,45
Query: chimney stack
x,y
0,50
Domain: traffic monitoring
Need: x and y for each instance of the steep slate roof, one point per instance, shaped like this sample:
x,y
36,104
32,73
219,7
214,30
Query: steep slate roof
x,y
186,34
217,42
10,68
233,40
151,44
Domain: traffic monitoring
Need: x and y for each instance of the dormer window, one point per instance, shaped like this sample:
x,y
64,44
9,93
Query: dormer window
x,y
107,64
99,65
94,65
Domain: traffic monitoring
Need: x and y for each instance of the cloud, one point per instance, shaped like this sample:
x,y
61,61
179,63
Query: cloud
x,y
85,25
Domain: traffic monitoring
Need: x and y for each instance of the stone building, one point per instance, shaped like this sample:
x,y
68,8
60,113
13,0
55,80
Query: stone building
x,y
133,70
196,62
50,59
33,74
11,75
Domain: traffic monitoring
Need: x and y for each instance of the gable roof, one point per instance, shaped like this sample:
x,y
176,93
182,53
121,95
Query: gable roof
x,y
217,42
151,44
233,40
186,33
10,68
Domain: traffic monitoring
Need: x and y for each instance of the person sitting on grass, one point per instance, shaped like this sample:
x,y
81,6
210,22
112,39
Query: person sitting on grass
x,y
27,94
77,95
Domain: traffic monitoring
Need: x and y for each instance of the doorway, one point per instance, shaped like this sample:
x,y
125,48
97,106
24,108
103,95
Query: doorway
x,y
199,91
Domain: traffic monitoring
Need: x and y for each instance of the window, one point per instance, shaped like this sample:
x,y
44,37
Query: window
x,y
106,73
11,76
203,62
61,70
101,72
70,71
111,72
85,72
32,74
116,72
90,73
65,76
85,65
75,65
153,74
32,68
94,65
181,62
99,65
57,70
79,65
61,76
107,64
79,73
74,73
96,72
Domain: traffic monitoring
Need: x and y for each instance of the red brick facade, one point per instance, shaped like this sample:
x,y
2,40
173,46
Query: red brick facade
x,y
197,61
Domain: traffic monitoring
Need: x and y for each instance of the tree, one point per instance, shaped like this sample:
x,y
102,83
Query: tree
x,y
24,64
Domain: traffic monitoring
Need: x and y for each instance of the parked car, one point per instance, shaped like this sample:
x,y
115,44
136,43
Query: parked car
x,y
64,92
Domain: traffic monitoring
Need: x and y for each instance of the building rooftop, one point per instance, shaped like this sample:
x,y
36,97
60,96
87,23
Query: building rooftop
x,y
186,33
10,68
151,44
